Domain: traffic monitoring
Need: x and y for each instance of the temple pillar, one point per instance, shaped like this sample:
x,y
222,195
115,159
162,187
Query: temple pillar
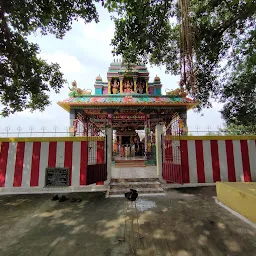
x,y
135,84
87,127
109,85
72,117
146,137
147,87
159,130
109,141
149,137
121,85
183,116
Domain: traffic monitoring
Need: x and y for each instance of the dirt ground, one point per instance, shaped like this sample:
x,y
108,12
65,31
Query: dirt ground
x,y
185,222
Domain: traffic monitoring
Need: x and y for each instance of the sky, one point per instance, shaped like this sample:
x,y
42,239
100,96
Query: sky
x,y
83,54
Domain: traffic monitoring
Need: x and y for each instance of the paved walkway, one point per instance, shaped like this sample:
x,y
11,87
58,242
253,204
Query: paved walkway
x,y
134,172
183,223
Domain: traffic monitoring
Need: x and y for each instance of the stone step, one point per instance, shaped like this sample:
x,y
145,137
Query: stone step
x,y
134,186
144,186
125,180
130,161
135,183
129,165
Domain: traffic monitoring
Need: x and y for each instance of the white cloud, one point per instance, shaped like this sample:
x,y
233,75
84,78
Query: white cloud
x,y
98,32
68,63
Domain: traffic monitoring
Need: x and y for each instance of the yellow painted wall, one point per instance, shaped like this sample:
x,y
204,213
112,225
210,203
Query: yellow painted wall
x,y
47,139
239,196
237,137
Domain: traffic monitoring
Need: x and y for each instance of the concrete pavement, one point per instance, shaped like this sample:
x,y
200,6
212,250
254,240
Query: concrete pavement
x,y
185,222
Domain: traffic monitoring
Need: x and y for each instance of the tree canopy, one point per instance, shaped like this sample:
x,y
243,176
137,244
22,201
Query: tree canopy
x,y
222,33
223,38
234,129
26,79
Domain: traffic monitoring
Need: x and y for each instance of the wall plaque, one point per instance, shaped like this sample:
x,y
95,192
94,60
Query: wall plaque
x,y
57,177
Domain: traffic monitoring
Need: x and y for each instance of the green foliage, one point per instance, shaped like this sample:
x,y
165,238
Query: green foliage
x,y
224,41
143,32
223,47
239,93
26,79
233,129
211,134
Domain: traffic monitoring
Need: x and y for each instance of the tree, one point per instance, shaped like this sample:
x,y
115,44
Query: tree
x,y
239,93
25,79
211,134
222,35
233,129
223,32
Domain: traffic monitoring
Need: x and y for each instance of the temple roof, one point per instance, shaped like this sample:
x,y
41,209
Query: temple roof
x,y
126,100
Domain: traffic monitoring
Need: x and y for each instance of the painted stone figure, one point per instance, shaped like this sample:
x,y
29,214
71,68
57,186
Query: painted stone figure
x,y
141,86
75,91
128,86
115,86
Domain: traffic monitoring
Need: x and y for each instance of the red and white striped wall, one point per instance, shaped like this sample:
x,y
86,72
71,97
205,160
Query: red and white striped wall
x,y
208,159
23,160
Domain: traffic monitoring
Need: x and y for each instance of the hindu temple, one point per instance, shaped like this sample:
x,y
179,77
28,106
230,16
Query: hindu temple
x,y
128,103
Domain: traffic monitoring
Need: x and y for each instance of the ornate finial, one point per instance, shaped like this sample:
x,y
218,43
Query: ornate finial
x,y
98,78
157,78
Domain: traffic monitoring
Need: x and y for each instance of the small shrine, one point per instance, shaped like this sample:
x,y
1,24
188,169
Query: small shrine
x,y
128,103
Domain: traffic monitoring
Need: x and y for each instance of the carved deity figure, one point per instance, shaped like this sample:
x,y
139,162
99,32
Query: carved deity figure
x,y
75,91
124,85
128,86
141,87
74,86
115,86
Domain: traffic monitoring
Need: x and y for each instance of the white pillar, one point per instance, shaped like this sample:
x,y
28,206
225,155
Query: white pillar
x,y
72,117
146,138
159,154
109,140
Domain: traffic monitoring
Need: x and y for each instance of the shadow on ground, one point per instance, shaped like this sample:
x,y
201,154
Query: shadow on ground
x,y
182,223
201,191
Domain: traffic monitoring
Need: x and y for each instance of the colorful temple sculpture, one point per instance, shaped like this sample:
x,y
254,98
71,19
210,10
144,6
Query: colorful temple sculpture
x,y
129,104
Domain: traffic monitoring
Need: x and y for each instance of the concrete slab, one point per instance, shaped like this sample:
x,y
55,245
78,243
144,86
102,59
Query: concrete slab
x,y
49,190
239,196
134,172
185,222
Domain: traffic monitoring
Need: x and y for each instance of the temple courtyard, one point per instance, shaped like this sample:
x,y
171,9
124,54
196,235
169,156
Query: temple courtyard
x,y
185,222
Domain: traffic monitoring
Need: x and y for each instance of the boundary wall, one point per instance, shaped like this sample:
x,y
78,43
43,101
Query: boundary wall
x,y
208,159
23,160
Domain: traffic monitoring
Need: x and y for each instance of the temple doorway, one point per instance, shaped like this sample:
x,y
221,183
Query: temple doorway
x,y
133,148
